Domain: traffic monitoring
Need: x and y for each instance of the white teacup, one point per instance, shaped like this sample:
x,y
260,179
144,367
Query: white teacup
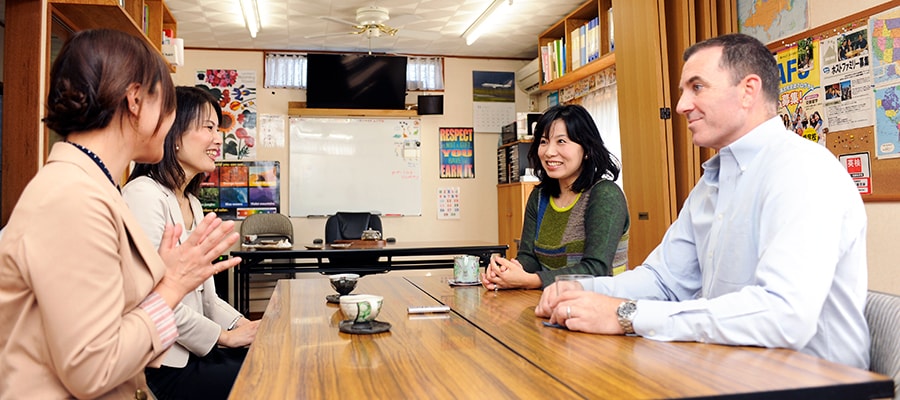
x,y
465,269
361,307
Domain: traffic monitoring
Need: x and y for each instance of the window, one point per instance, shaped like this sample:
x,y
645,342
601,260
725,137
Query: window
x,y
424,73
286,70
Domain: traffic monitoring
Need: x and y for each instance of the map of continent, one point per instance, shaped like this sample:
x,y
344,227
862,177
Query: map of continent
x,y
887,121
770,20
885,30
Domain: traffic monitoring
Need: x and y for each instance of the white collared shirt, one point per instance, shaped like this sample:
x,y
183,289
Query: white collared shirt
x,y
769,250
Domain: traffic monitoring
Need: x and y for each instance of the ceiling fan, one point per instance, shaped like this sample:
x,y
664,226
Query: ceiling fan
x,y
371,22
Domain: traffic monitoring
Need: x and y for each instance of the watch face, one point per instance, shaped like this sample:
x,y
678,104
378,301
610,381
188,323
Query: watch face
x,y
627,309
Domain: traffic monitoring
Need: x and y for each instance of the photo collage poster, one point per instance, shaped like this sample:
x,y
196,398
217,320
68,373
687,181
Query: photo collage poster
x,y
801,99
238,189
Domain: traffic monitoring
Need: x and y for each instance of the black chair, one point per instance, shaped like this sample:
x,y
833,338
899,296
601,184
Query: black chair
x,y
350,225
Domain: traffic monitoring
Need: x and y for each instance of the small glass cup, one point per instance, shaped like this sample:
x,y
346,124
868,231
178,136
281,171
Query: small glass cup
x,y
574,282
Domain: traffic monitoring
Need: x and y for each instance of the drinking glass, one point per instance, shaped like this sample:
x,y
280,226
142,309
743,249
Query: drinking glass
x,y
574,282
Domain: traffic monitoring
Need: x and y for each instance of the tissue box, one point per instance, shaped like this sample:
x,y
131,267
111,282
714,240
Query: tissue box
x,y
174,51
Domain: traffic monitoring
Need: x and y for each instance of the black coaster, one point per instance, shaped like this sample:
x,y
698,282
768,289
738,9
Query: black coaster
x,y
333,298
364,327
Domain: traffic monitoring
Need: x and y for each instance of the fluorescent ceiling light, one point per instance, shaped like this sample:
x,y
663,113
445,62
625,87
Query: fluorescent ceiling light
x,y
478,27
251,16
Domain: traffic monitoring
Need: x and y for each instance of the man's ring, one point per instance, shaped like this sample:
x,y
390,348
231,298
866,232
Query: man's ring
x,y
568,312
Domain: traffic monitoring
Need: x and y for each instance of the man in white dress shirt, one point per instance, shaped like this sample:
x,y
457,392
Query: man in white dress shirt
x,y
770,246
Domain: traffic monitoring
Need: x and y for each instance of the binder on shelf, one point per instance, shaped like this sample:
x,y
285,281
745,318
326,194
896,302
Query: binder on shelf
x,y
612,46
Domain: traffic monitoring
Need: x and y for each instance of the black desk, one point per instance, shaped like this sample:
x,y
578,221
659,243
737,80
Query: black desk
x,y
393,256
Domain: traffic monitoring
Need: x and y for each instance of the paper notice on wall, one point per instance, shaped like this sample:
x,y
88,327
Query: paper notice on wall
x,y
448,203
271,130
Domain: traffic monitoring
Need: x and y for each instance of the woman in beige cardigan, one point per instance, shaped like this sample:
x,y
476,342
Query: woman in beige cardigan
x,y
210,349
86,300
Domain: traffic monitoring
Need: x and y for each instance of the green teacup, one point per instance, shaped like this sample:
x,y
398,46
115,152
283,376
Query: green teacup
x,y
361,307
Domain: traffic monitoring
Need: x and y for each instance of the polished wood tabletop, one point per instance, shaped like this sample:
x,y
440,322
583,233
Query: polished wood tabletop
x,y
299,352
611,367
400,255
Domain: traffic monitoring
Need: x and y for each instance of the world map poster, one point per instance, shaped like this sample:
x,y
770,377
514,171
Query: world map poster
x,y
770,20
885,46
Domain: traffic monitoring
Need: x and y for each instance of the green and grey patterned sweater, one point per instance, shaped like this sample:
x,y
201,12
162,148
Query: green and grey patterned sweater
x,y
588,237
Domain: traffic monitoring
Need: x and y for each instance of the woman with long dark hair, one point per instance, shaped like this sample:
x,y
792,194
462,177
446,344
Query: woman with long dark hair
x,y
576,219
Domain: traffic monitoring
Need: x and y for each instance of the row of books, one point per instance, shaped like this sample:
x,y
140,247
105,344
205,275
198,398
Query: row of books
x,y
553,59
584,45
585,42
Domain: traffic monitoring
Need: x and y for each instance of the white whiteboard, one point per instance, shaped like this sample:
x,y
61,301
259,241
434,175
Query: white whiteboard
x,y
355,164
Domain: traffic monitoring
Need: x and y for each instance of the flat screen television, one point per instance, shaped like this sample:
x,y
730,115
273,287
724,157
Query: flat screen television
x,y
356,81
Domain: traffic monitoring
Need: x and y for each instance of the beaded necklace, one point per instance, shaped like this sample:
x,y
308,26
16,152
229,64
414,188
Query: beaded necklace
x,y
97,161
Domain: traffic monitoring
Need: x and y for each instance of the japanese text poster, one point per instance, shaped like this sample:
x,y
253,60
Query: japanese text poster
x,y
801,97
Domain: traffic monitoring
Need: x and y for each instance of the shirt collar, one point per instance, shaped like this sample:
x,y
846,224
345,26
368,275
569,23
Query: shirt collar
x,y
748,146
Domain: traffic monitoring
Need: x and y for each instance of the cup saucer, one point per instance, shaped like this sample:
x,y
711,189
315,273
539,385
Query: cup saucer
x,y
349,326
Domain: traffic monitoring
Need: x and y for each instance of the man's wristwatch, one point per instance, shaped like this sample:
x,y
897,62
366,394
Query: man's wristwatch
x,y
625,313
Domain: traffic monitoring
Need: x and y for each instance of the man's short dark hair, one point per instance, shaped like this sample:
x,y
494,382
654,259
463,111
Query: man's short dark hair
x,y
744,55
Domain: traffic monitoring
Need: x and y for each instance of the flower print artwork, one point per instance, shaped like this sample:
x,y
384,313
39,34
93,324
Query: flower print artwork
x,y
236,91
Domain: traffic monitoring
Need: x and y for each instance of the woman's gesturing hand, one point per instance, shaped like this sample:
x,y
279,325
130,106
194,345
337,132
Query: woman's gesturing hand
x,y
190,263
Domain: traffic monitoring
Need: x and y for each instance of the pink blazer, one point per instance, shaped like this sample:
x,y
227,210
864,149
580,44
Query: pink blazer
x,y
74,266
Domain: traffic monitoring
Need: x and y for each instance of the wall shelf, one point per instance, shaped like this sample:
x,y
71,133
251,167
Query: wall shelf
x,y
568,27
97,14
604,62
297,109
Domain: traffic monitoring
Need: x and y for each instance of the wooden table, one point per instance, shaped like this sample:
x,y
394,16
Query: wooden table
x,y
606,367
299,353
492,346
392,256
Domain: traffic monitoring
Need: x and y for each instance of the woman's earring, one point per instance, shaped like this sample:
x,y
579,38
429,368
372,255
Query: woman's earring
x,y
177,148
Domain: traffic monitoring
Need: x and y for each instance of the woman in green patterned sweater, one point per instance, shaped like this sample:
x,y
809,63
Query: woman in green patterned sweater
x,y
576,219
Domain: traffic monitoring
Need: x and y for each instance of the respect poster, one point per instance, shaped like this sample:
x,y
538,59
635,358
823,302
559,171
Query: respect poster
x,y
457,147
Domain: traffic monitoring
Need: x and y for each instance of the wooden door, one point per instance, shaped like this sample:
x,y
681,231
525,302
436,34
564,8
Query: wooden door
x,y
648,167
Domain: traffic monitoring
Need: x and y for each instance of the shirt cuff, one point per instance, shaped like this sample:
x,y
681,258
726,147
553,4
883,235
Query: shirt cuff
x,y
163,317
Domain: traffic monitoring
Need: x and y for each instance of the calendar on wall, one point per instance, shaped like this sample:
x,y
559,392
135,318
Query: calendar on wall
x,y
448,203
493,99
490,117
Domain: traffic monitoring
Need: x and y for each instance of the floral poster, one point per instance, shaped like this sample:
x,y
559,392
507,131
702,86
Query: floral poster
x,y
236,91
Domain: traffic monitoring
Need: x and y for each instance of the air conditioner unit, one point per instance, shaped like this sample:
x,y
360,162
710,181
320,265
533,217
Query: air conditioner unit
x,y
528,78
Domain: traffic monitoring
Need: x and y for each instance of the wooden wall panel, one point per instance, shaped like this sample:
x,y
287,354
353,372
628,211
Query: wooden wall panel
x,y
22,103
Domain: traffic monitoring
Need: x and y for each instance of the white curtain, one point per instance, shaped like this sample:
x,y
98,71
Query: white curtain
x,y
424,73
604,107
285,71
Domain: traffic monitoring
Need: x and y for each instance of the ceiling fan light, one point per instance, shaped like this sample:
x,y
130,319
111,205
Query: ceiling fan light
x,y
474,31
251,16
371,15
